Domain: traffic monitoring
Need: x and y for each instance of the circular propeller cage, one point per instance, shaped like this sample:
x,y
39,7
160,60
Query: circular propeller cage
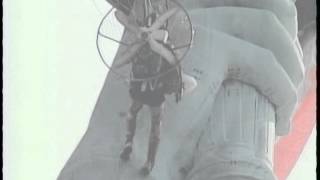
x,y
113,39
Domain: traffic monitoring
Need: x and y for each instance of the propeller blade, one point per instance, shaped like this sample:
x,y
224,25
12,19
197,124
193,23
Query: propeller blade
x,y
163,18
127,56
160,35
162,51
127,22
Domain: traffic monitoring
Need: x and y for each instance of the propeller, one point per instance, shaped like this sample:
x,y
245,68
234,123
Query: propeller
x,y
128,22
151,35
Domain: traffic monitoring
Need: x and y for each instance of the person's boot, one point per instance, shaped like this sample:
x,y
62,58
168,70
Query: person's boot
x,y
147,168
126,151
152,151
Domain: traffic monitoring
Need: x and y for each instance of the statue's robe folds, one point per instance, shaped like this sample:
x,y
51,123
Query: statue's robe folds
x,y
251,44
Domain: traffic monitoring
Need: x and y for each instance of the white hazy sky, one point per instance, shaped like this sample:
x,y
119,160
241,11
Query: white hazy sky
x,y
52,78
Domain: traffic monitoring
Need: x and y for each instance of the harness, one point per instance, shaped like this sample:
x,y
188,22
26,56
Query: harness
x,y
150,64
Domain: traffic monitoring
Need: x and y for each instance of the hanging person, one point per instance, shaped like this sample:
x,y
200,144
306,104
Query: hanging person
x,y
149,84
